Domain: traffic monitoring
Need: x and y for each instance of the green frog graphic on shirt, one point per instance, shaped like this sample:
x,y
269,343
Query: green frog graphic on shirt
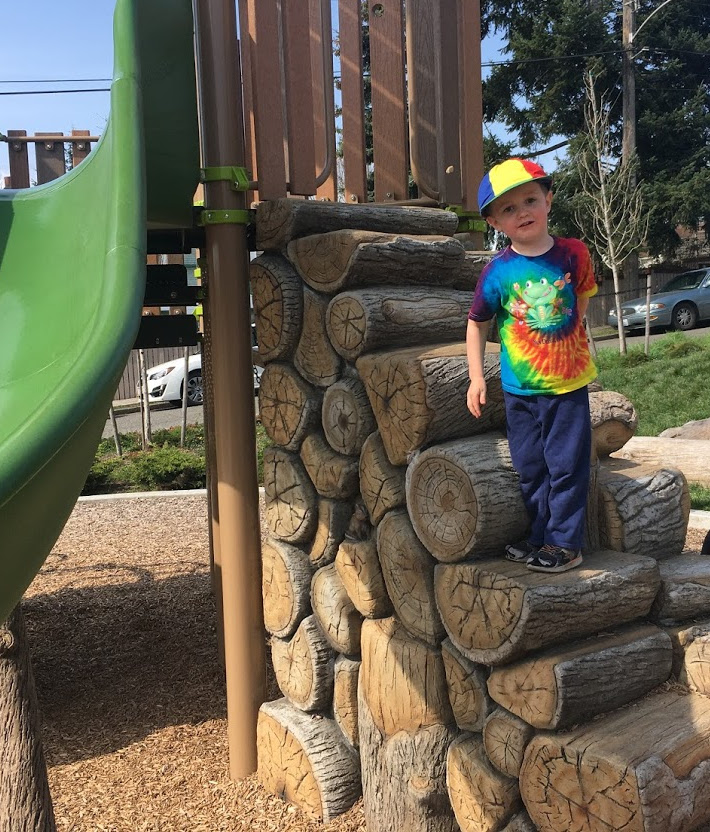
x,y
540,303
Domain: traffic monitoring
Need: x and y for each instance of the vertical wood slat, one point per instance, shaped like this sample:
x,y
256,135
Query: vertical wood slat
x,y
19,161
389,128
49,156
245,52
80,150
353,100
471,103
323,94
448,127
268,98
299,97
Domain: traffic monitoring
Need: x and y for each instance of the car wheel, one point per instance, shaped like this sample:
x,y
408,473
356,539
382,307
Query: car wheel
x,y
194,388
685,316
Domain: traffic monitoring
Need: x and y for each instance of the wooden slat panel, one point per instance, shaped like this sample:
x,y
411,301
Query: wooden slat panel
x,y
353,100
245,51
80,150
471,118
50,159
448,128
299,97
323,94
19,161
268,97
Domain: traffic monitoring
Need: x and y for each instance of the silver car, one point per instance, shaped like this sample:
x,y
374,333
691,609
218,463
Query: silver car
x,y
680,304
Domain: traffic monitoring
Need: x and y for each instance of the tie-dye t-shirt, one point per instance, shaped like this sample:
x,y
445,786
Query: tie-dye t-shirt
x,y
543,342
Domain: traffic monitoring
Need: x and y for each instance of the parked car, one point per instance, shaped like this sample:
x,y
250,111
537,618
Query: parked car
x,y
680,304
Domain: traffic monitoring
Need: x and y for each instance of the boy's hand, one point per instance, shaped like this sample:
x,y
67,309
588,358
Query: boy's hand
x,y
476,396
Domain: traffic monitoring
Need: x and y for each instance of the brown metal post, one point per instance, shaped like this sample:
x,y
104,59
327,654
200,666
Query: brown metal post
x,y
19,161
237,491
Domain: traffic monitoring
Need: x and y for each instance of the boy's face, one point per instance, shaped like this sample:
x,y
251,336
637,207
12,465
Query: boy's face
x,y
521,214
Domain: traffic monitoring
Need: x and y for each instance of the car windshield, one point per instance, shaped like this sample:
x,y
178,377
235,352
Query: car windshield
x,y
687,280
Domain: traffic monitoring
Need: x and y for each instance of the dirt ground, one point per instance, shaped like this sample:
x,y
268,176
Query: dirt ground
x,y
122,630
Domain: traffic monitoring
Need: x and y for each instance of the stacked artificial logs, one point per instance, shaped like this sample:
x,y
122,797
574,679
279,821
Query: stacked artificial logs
x,y
452,688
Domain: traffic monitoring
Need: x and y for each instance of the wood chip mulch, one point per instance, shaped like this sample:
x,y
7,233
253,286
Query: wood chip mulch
x,y
121,623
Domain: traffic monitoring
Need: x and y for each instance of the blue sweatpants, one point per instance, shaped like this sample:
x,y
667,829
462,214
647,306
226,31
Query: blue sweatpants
x,y
550,444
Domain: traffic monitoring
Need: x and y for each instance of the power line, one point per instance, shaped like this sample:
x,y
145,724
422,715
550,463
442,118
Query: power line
x,y
51,92
57,81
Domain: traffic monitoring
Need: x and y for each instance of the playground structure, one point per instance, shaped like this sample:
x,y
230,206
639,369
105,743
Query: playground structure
x,y
389,632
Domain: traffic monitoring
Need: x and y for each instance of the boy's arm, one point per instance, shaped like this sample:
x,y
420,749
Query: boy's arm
x,y
582,306
476,333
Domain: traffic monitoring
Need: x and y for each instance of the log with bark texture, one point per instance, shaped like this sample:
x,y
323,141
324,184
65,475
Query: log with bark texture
x,y
695,671
333,519
289,496
483,799
359,569
303,666
643,768
406,726
520,823
505,737
347,416
334,475
642,508
25,800
418,396
305,760
695,429
277,295
281,220
495,611
315,358
614,421
336,614
345,697
573,683
468,691
364,320
464,498
682,636
289,407
685,588
285,587
408,570
381,483
689,455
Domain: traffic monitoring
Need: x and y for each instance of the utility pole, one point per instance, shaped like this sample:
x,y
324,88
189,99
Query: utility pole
x,y
628,141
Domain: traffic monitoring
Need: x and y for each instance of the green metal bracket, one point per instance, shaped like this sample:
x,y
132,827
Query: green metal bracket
x,y
238,178
468,220
223,216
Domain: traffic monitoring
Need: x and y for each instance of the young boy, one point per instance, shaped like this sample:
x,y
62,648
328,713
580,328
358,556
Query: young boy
x,y
538,288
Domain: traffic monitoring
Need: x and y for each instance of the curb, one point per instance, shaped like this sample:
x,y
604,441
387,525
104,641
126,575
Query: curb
x,y
151,495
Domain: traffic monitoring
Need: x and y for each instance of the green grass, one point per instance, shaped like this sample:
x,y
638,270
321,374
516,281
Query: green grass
x,y
699,497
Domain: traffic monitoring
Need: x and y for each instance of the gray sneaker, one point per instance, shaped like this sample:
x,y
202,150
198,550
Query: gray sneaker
x,y
521,552
551,558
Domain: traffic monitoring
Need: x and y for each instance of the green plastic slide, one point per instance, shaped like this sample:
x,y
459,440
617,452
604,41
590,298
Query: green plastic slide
x,y
72,274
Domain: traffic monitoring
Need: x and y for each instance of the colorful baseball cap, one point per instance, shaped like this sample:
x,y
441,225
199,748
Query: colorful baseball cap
x,y
506,176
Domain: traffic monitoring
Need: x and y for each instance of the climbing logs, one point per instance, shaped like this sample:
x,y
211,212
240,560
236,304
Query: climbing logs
x,y
381,483
368,319
306,760
291,503
359,570
468,692
496,610
695,671
688,455
347,416
682,636
642,768
338,618
345,697
408,570
333,519
505,738
573,683
685,588
285,587
289,407
483,799
642,508
464,498
278,306
315,358
304,667
418,396
335,476
614,421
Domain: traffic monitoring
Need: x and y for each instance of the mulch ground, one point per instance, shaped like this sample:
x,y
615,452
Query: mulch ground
x,y
121,623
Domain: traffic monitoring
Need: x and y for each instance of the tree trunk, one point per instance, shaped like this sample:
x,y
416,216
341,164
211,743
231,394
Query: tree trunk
x,y
277,295
614,421
575,682
347,416
505,738
685,589
290,498
642,509
336,614
468,691
464,498
689,455
289,407
315,358
281,220
418,396
364,320
617,304
25,801
333,519
484,800
408,570
359,569
334,476
305,760
285,587
345,698
381,483
642,768
495,611
303,667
